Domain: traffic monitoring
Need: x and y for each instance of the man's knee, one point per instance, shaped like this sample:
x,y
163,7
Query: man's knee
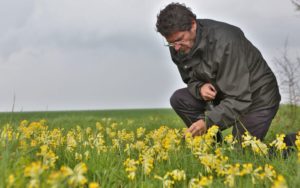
x,y
174,99
177,98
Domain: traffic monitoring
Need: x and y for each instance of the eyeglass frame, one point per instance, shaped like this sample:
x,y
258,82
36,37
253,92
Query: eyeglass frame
x,y
172,44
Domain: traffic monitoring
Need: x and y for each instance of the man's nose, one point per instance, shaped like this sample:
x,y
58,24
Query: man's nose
x,y
177,47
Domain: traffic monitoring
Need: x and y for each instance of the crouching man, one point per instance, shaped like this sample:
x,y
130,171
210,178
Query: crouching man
x,y
228,81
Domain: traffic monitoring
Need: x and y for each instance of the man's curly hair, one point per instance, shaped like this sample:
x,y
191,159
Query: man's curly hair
x,y
173,18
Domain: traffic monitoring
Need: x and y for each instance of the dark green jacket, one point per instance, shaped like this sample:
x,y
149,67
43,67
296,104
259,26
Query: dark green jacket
x,y
224,57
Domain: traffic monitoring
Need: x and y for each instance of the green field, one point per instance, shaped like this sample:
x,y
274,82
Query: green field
x,y
105,165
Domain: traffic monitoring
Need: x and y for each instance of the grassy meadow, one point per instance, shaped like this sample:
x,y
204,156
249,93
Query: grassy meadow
x,y
137,148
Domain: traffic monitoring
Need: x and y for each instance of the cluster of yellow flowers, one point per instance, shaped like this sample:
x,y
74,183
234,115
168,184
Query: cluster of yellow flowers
x,y
53,153
170,178
256,145
298,145
279,143
214,159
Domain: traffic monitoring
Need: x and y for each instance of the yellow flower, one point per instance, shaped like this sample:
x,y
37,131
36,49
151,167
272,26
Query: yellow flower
x,y
130,167
34,170
229,139
279,142
206,181
167,183
298,140
229,180
279,182
256,145
77,177
178,175
115,143
10,180
78,156
48,156
24,123
94,185
297,143
269,173
71,141
247,169
66,171
55,179
140,145
201,182
86,155
256,174
140,132
88,130
147,163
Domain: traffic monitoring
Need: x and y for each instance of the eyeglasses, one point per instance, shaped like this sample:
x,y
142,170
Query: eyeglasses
x,y
173,44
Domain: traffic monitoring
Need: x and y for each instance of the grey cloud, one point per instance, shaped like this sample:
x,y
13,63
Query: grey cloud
x,y
106,54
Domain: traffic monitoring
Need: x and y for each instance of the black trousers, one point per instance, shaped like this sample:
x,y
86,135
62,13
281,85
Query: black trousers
x,y
189,108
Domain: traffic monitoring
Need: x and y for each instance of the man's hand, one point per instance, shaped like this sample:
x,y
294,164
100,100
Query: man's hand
x,y
208,92
197,128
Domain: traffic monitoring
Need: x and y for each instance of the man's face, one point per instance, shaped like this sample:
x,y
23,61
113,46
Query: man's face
x,y
183,41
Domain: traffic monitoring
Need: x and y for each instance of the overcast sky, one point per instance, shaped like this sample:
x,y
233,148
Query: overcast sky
x,y
106,54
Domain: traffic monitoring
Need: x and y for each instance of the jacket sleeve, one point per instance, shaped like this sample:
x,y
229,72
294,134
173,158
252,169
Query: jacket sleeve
x,y
194,88
193,85
233,80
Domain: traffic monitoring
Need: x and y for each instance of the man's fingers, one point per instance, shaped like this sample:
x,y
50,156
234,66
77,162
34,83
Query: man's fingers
x,y
209,96
212,88
210,93
197,131
197,128
194,132
191,128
